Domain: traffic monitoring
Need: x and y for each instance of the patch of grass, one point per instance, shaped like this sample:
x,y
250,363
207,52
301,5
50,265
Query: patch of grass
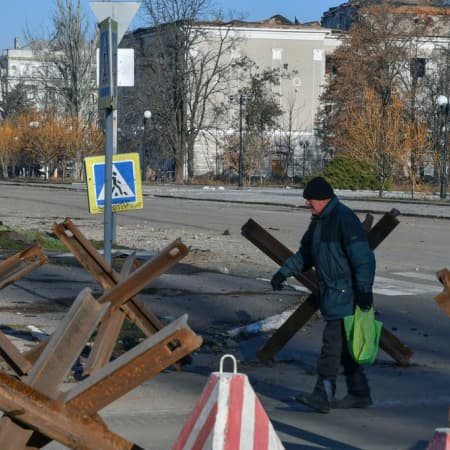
x,y
19,239
16,239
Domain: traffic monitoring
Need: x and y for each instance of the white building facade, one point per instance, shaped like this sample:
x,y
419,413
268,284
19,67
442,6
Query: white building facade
x,y
302,52
296,49
25,66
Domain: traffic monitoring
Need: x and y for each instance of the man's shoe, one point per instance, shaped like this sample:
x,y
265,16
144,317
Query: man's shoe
x,y
316,401
352,401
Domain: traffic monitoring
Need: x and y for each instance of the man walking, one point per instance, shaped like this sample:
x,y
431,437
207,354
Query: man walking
x,y
336,244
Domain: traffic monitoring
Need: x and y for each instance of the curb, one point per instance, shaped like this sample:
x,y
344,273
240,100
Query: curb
x,y
388,201
295,206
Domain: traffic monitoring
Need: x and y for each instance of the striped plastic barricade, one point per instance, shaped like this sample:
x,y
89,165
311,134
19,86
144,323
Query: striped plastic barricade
x,y
441,439
228,416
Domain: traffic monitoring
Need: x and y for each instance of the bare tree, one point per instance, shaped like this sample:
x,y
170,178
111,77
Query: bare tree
x,y
67,71
69,56
261,116
436,82
385,54
185,66
290,136
372,55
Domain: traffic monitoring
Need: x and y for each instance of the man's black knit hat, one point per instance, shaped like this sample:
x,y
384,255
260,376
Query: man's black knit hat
x,y
318,189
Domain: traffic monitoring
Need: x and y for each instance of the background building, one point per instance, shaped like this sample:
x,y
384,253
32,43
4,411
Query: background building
x,y
297,52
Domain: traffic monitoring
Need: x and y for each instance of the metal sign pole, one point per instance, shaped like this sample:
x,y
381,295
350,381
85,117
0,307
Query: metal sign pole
x,y
111,32
108,101
110,149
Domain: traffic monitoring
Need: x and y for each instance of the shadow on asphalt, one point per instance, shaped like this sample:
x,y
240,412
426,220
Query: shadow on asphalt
x,y
315,439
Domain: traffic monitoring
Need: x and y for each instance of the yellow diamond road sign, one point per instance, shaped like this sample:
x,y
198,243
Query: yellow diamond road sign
x,y
126,182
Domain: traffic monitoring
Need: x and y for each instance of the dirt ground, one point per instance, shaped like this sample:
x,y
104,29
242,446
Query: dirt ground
x,y
223,252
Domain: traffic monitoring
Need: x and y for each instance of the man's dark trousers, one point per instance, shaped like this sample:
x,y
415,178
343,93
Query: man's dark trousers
x,y
335,352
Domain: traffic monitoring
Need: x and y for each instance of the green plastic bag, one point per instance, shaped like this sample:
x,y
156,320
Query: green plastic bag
x,y
363,335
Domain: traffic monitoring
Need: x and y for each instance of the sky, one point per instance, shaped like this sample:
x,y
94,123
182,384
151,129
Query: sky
x,y
19,15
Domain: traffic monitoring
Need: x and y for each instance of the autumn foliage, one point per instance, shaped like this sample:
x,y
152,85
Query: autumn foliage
x,y
383,136
376,107
43,144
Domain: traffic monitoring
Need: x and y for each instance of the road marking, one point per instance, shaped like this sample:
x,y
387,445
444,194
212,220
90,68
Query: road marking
x,y
414,402
418,275
392,287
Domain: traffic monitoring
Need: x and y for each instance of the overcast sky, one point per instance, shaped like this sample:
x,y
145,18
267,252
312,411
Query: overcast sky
x,y
18,15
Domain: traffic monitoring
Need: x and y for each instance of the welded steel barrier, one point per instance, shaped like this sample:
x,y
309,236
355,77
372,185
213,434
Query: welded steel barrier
x,y
279,253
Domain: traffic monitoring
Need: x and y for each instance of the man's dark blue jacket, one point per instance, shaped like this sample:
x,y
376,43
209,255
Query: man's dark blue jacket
x,y
336,244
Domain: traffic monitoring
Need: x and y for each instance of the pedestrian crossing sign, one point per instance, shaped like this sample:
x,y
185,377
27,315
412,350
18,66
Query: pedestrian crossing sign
x,y
126,182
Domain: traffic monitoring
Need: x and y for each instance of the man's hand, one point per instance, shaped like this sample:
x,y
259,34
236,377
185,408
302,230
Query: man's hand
x,y
277,281
364,300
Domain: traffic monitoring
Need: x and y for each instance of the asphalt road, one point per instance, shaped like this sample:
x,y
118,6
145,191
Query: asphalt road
x,y
420,242
409,402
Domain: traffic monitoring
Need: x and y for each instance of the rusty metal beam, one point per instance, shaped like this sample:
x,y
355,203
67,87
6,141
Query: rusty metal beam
x,y
22,272
148,272
88,256
443,299
127,289
131,369
21,264
275,250
279,253
56,356
13,357
142,362
109,330
64,424
105,341
128,266
28,254
66,343
55,362
383,228
33,354
367,222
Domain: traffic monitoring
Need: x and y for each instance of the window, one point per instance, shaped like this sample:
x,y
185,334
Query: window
x,y
235,53
296,83
277,57
277,54
318,54
417,67
330,65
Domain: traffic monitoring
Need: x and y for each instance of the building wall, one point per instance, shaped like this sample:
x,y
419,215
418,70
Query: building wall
x,y
298,49
25,66
302,50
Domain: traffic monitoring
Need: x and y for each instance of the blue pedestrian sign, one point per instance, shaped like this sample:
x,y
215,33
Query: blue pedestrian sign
x,y
107,95
126,182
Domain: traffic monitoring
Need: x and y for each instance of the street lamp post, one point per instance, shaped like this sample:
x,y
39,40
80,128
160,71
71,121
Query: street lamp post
x,y
442,102
147,117
240,182
304,145
242,100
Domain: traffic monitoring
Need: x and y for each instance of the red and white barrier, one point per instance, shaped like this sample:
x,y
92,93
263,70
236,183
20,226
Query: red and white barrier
x,y
441,439
228,416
